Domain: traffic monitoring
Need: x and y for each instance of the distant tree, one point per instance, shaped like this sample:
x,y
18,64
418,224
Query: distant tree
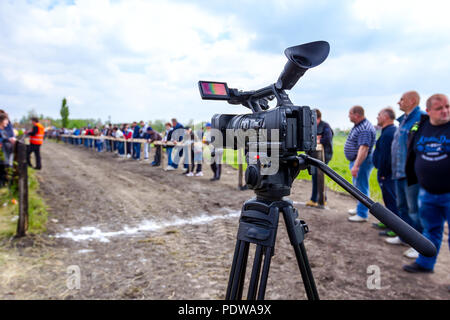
x,y
64,113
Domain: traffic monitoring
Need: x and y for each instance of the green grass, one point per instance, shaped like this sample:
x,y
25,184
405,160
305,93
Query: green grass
x,y
338,163
37,210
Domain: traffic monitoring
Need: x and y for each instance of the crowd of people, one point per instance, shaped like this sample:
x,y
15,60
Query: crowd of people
x,y
412,159
413,168
192,141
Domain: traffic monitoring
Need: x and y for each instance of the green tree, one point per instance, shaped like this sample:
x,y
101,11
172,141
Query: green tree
x,y
64,113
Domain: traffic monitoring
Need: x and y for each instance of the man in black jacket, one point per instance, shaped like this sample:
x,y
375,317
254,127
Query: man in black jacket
x,y
325,138
382,161
428,163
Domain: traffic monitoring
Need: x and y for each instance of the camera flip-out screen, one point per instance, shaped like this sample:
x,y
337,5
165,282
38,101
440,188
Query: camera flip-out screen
x,y
213,90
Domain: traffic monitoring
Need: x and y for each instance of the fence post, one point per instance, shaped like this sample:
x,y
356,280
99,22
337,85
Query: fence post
x,y
22,225
241,169
319,154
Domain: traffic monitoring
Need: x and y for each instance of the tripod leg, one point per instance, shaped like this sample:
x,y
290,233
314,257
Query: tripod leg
x,y
265,273
255,273
237,274
296,236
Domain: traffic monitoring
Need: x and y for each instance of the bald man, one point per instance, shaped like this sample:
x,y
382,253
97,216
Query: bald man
x,y
407,203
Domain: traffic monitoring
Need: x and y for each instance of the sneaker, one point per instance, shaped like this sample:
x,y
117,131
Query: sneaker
x,y
199,174
128,156
415,268
170,168
351,212
357,218
395,240
411,253
190,174
311,203
379,225
387,233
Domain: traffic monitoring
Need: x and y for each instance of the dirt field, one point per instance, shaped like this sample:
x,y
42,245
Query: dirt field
x,y
138,232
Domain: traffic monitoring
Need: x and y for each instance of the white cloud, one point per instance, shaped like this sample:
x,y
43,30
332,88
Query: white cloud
x,y
411,16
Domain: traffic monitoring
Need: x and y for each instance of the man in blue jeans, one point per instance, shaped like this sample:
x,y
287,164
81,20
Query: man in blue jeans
x,y
407,196
358,150
428,163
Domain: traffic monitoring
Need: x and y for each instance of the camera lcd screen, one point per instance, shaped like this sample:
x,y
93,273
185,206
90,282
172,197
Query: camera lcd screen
x,y
213,90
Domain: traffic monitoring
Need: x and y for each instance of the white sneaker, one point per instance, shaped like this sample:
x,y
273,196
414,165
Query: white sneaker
x,y
394,240
357,218
170,168
411,253
351,212
128,155
199,174
190,174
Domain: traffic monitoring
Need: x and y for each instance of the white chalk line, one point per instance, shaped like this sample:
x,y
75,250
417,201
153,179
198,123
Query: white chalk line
x,y
94,233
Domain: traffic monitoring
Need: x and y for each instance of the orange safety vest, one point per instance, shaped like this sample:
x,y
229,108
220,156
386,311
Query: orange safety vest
x,y
38,139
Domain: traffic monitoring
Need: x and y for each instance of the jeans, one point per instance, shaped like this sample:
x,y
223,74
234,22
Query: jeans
x,y
121,148
361,182
407,203
136,150
169,157
146,150
434,210
387,186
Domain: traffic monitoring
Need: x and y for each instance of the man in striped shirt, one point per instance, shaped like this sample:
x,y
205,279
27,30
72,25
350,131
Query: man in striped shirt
x,y
358,150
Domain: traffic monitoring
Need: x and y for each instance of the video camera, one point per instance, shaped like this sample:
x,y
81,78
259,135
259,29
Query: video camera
x,y
295,125
271,139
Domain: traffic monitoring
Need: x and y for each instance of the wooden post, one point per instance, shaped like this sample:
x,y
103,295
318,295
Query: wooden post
x,y
241,169
319,154
22,225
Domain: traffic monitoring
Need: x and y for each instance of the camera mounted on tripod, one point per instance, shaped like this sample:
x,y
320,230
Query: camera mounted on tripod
x,y
269,137
272,139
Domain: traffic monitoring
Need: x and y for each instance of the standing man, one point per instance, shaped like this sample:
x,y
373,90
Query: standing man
x,y
358,150
407,196
9,130
136,145
36,140
428,164
325,138
216,154
153,136
5,146
382,161
177,151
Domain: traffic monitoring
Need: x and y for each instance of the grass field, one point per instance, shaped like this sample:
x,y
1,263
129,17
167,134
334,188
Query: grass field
x,y
9,209
338,163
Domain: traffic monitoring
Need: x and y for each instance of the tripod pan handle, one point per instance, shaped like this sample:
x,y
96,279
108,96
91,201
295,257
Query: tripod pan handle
x,y
407,233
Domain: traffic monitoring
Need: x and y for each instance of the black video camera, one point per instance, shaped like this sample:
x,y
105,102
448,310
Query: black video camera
x,y
270,138
296,125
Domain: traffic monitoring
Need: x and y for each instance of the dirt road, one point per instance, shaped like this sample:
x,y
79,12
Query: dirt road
x,y
137,232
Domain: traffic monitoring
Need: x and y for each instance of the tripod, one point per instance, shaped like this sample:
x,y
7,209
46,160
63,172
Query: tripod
x,y
258,225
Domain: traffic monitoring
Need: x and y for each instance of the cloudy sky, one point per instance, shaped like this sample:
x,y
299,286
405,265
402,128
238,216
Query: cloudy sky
x,y
141,59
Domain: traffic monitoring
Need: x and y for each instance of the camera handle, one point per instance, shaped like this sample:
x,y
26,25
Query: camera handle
x,y
401,228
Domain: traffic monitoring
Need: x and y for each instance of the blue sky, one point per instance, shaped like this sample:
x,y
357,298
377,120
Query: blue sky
x,y
136,59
